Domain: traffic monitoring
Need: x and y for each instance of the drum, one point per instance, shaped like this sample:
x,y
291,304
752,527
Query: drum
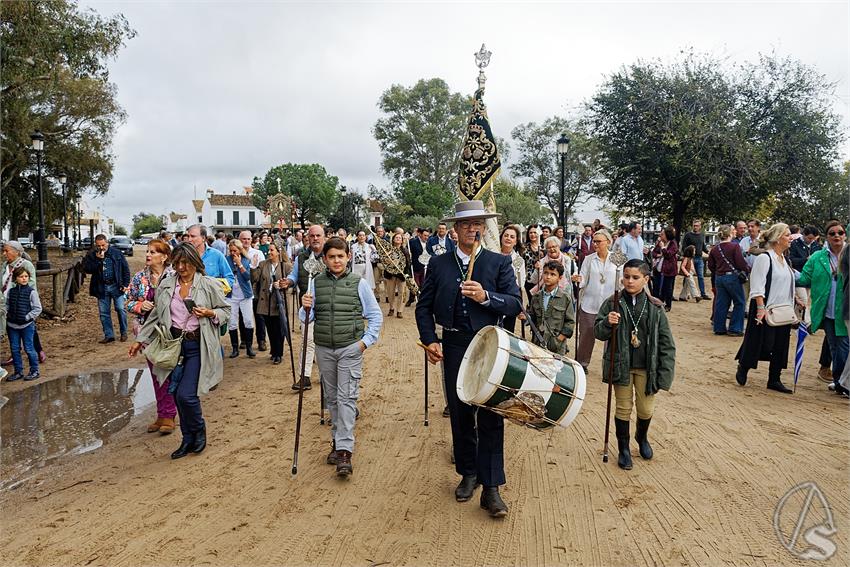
x,y
521,381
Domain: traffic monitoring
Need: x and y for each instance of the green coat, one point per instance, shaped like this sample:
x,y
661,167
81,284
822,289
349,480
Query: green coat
x,y
559,319
817,275
661,350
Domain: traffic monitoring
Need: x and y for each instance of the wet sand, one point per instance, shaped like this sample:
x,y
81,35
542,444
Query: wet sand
x,y
724,457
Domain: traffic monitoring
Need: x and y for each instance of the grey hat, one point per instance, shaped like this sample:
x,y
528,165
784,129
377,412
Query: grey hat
x,y
15,245
468,210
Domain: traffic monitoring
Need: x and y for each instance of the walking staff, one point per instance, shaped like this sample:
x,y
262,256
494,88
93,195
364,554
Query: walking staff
x,y
618,259
313,267
285,328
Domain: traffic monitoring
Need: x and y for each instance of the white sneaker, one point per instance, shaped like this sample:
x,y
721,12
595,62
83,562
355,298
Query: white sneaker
x,y
3,373
831,387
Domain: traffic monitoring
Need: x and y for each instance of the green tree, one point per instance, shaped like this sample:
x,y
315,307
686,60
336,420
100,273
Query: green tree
x,y
694,139
120,230
421,133
313,190
517,204
816,205
538,164
146,223
55,79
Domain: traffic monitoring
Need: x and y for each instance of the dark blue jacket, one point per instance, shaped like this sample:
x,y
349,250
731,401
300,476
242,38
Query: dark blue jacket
x,y
242,278
94,266
434,240
416,249
436,301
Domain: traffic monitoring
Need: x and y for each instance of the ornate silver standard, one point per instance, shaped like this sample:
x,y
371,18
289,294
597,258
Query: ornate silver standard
x,y
313,267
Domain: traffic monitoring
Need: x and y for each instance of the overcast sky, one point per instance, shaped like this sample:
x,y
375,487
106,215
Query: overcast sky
x,y
218,92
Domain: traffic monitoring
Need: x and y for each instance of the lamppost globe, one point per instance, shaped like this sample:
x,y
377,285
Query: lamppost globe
x,y
563,147
37,141
63,179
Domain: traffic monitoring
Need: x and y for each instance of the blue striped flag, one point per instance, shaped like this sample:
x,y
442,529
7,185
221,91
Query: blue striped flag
x,y
802,333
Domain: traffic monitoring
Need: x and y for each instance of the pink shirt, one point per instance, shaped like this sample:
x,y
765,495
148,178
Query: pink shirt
x,y
180,316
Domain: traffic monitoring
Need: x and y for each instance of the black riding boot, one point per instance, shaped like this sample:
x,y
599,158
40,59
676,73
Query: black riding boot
x,y
234,344
624,459
249,343
640,436
773,381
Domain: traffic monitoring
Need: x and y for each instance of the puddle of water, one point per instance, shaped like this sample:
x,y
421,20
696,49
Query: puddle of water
x,y
67,416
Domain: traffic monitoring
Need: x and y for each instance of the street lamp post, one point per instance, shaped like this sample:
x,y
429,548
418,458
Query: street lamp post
x,y
38,147
344,191
563,149
63,179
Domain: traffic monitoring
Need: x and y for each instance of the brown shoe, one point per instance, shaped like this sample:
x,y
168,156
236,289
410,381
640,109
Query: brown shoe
x,y
124,338
398,315
167,426
343,463
333,457
391,313
155,426
825,374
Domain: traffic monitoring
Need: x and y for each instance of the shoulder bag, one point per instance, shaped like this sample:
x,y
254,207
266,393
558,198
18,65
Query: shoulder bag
x,y
164,351
743,277
778,314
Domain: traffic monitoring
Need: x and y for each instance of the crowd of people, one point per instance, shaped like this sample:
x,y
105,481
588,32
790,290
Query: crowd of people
x,y
252,287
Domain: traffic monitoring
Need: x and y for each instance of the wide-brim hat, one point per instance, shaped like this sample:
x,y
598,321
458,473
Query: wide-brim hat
x,y
469,210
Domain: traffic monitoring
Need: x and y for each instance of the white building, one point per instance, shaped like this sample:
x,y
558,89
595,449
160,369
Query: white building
x,y
230,213
175,223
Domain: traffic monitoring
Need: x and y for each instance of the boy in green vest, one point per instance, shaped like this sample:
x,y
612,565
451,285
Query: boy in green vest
x,y
339,301
552,310
645,356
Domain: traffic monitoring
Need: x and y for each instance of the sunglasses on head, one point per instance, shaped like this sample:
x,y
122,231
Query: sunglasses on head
x,y
836,233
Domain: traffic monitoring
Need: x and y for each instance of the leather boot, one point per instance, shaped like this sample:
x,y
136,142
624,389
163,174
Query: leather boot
x,y
466,488
154,427
184,448
200,442
234,344
249,343
332,456
741,376
640,436
774,383
493,503
624,459
167,426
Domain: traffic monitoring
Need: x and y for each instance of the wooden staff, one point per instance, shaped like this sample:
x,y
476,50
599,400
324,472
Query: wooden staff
x,y
475,246
613,351
303,378
426,388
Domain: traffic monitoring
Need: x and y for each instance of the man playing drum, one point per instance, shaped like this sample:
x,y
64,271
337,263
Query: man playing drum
x,y
462,308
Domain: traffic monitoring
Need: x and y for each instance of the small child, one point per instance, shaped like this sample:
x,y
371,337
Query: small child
x,y
552,310
645,356
23,306
342,300
686,270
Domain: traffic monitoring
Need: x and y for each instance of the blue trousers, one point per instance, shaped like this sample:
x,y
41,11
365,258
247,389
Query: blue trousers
x,y
186,396
699,268
838,346
478,434
729,289
26,335
111,296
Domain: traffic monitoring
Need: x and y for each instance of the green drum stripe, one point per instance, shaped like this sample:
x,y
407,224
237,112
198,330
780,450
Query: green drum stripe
x,y
513,378
558,404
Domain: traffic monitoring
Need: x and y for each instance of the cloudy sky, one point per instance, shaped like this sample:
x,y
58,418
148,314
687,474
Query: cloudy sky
x,y
218,92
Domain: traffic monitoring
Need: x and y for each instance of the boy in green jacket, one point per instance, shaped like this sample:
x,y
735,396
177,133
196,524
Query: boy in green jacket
x,y
644,360
552,310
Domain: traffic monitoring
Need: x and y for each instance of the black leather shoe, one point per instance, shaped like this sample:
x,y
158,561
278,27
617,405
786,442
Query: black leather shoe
x,y
466,488
183,449
778,387
446,412
741,375
640,436
624,459
200,441
276,360
493,503
249,350
261,346
234,353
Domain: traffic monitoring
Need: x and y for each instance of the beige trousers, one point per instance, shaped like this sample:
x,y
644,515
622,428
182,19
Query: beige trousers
x,y
645,404
396,301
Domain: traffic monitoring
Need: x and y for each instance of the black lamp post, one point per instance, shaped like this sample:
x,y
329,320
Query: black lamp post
x,y
63,179
38,147
79,232
344,191
563,149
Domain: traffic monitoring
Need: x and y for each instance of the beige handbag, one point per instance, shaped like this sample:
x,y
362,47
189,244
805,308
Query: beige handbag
x,y
780,314
164,351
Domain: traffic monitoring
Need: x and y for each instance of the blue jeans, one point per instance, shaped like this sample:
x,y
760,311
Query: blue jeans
x,y
728,289
699,268
838,346
111,296
15,337
186,397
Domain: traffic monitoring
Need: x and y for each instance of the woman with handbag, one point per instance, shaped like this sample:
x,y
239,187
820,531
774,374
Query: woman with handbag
x,y
189,308
140,302
771,313
268,280
729,271
665,266
821,273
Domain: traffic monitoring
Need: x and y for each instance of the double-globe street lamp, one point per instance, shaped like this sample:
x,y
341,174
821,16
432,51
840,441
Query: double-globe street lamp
x,y
344,192
63,179
38,147
563,149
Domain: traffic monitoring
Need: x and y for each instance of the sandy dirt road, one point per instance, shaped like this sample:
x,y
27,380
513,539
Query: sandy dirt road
x,y
724,457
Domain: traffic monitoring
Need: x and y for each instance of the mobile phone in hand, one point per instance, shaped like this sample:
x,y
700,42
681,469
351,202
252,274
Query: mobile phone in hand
x,y
190,304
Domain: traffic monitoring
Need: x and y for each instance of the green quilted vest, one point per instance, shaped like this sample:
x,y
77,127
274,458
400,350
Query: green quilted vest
x,y
339,313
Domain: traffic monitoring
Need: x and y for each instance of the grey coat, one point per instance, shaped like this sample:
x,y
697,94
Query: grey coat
x,y
206,292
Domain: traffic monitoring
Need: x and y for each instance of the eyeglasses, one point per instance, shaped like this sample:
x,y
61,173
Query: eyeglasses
x,y
838,233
